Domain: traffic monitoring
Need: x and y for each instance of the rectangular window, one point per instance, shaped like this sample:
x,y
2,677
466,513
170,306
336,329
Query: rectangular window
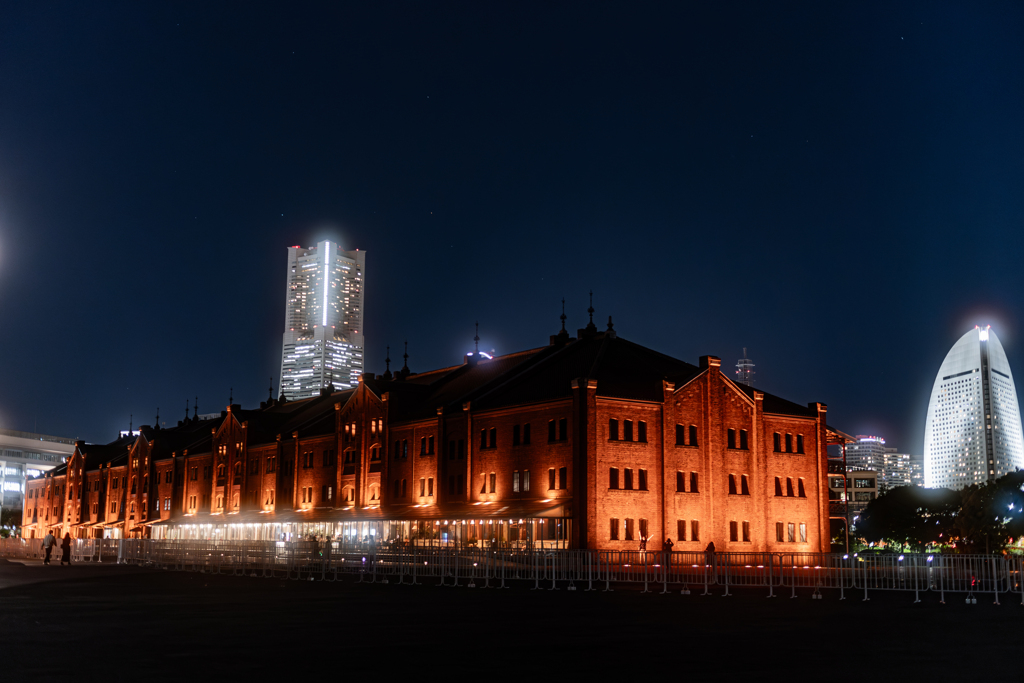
x,y
780,533
641,431
430,487
680,482
516,435
789,486
526,481
803,532
800,488
423,445
694,530
746,532
744,485
526,434
777,442
493,443
791,533
680,435
732,484
629,529
483,482
643,528
614,529
613,477
551,430
734,534
483,438
405,448
613,429
323,493
515,481
730,439
628,477
642,479
563,478
494,478
693,435
627,430
789,443
799,443
743,439
551,479
680,529
778,486
430,445
423,486
693,483
563,429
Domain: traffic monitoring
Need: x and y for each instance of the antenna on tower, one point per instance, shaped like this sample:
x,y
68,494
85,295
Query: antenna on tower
x,y
476,340
745,370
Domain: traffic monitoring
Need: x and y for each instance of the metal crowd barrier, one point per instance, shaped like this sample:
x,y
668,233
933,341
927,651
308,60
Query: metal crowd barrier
x,y
779,574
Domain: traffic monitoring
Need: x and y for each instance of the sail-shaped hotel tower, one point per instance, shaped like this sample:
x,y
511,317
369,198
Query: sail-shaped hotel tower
x,y
973,431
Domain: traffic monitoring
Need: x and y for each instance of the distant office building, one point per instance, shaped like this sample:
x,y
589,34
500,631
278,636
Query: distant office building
x,y
861,487
745,370
895,472
867,453
973,431
323,322
24,455
917,470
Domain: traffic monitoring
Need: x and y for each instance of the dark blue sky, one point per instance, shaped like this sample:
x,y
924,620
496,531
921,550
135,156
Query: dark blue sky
x,y
835,186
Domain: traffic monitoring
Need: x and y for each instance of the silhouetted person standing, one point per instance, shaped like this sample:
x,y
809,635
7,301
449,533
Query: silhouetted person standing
x,y
48,542
65,550
710,553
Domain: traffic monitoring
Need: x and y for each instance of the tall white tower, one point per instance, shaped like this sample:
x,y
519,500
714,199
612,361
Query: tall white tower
x,y
323,320
973,430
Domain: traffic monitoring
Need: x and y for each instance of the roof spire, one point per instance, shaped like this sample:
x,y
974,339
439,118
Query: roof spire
x,y
387,361
158,417
611,327
476,339
270,397
591,327
562,317
405,368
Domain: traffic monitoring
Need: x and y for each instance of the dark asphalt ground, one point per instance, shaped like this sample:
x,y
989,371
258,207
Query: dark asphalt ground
x,y
90,622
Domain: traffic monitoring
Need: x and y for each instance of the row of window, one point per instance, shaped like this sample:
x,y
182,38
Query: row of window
x,y
627,430
778,442
628,527
627,479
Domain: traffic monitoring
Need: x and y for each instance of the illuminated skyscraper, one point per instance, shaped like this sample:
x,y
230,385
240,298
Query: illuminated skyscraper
x,y
745,370
323,320
973,431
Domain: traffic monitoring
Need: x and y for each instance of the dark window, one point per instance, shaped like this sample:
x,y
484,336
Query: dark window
x,y
680,435
483,484
642,479
789,443
423,486
733,531
778,486
323,493
800,488
743,439
430,445
614,524
693,483
628,477
613,478
516,435
680,529
780,532
744,485
732,484
551,430
405,448
799,443
563,429
494,438
526,480
526,434
643,528
730,440
515,481
430,486
627,430
777,442
551,479
641,431
680,483
693,435
494,478
613,429
789,486
746,532
694,530
423,445
563,477
483,438
629,529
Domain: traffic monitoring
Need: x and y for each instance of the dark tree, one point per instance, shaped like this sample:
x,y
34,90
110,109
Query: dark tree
x,y
991,515
910,515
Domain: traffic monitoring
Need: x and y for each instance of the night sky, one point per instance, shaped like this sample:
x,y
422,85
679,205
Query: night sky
x,y
835,186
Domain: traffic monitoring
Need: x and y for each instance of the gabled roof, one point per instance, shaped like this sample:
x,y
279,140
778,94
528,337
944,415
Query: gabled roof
x,y
779,406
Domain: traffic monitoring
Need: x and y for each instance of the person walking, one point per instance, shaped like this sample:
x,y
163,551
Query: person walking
x,y
48,542
65,550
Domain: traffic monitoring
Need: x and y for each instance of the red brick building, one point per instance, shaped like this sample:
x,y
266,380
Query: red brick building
x,y
590,442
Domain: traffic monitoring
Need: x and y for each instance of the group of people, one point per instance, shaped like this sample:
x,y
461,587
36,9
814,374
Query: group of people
x,y
49,541
666,547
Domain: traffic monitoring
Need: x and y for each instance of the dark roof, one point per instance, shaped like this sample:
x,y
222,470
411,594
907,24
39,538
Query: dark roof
x,y
779,406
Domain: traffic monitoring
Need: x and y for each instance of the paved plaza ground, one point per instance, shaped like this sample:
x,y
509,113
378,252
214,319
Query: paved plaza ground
x,y
126,623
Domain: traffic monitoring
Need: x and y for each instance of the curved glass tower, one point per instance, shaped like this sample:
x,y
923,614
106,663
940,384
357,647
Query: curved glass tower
x,y
973,431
